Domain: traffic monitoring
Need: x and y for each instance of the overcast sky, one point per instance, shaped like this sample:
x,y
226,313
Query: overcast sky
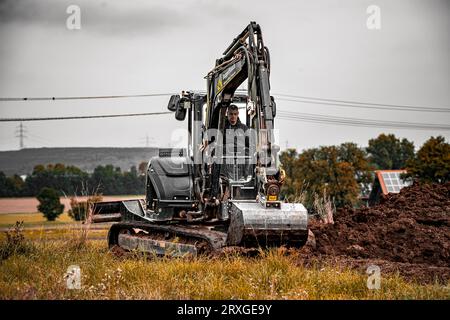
x,y
318,48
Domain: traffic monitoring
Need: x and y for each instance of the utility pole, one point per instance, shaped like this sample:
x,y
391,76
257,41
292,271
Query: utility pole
x,y
20,133
148,141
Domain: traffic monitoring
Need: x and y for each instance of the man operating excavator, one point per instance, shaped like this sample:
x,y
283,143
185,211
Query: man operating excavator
x,y
233,119
236,164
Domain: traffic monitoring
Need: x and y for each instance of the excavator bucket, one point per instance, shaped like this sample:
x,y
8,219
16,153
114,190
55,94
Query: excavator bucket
x,y
252,224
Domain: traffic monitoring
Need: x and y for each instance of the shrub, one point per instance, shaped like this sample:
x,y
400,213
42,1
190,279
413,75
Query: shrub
x,y
79,209
49,205
15,242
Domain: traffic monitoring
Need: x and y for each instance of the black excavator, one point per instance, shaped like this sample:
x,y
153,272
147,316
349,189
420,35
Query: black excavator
x,y
192,204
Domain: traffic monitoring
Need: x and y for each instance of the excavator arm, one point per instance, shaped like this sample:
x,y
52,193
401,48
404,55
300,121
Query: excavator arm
x,y
246,58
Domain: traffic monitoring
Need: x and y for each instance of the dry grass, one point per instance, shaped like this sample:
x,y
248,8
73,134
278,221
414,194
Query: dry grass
x,y
31,219
29,204
63,235
39,274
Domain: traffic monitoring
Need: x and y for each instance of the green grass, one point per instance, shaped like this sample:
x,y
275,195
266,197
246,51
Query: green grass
x,y
39,274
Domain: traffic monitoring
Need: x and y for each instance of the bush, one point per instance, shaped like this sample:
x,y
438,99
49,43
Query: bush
x,y
79,209
50,205
15,242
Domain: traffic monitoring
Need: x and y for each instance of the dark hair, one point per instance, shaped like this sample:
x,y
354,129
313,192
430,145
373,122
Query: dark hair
x,y
233,107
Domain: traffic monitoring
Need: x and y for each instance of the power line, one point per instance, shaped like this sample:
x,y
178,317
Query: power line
x,y
40,142
351,104
87,97
283,97
345,120
359,122
46,141
85,117
369,125
285,115
357,104
390,108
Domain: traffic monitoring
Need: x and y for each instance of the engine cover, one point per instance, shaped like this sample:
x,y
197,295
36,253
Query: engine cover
x,y
169,183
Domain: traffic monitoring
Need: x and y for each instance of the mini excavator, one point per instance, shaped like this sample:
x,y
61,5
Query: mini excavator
x,y
191,207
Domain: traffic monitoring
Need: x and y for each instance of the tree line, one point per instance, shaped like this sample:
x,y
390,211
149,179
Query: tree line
x,y
345,172
70,180
338,173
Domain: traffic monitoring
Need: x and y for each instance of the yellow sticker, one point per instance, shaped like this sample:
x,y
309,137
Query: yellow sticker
x,y
273,198
219,85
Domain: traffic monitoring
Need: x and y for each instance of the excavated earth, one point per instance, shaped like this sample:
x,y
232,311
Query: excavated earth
x,y
408,233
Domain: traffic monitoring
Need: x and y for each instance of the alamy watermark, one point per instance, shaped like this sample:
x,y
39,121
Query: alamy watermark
x,y
73,21
373,21
374,278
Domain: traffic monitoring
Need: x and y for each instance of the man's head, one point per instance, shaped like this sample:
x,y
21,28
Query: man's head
x,y
233,114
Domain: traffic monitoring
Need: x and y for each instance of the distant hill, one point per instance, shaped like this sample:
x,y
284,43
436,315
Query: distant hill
x,y
23,161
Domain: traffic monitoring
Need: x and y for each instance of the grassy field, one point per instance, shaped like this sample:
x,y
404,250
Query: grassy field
x,y
29,204
32,219
36,269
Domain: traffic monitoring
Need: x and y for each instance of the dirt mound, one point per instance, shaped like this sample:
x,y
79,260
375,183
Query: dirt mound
x,y
412,227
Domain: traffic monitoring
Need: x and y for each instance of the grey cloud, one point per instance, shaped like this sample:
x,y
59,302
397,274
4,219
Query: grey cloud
x,y
116,17
96,16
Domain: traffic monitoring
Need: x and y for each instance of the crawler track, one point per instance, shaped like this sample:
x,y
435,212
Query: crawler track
x,y
172,240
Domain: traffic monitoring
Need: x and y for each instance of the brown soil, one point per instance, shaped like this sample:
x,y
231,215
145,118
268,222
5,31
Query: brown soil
x,y
407,232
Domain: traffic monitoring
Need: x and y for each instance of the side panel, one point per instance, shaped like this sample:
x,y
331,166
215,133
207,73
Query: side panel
x,y
171,180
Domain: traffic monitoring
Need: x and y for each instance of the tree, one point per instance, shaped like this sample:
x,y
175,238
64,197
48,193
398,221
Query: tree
x,y
143,168
288,159
4,192
133,183
432,162
337,171
16,184
107,179
357,157
49,203
11,186
387,152
65,179
70,180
